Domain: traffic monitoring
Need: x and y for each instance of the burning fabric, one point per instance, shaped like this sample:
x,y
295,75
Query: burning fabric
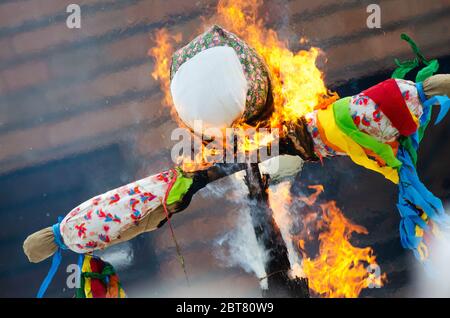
x,y
219,79
379,129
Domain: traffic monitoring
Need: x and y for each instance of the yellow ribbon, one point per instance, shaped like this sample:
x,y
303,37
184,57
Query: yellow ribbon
x,y
335,136
86,268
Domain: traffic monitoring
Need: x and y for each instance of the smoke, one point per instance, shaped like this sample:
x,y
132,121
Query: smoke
x,y
236,250
121,256
434,279
279,201
240,246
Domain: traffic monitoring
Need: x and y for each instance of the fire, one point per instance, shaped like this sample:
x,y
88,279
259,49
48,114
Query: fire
x,y
313,197
339,269
297,84
162,54
199,162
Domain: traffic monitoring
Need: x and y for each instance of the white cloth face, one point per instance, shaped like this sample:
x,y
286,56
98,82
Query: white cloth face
x,y
210,87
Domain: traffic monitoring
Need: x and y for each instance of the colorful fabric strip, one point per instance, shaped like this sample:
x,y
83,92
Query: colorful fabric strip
x,y
335,136
388,96
346,124
420,92
418,207
85,288
56,260
414,200
58,238
426,116
323,138
405,67
411,144
99,280
444,101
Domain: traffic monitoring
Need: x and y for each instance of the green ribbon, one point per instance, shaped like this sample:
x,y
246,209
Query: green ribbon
x,y
406,142
427,71
80,291
405,67
400,72
107,271
424,126
345,123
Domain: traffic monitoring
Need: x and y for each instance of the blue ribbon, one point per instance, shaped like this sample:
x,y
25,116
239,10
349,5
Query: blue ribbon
x,y
414,197
57,236
414,194
420,91
442,100
56,260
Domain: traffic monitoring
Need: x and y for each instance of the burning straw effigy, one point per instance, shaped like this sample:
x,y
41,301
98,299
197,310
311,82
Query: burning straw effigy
x,y
248,78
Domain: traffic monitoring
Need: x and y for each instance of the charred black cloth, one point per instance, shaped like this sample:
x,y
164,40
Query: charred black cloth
x,y
298,141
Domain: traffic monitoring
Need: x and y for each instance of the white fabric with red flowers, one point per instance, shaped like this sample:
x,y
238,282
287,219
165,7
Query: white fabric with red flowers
x,y
98,221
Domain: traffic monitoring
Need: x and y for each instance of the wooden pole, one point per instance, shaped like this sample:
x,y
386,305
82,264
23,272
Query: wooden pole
x,y
269,235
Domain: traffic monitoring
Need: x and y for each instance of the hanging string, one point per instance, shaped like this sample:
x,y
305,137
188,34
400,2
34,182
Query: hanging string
x,y
271,274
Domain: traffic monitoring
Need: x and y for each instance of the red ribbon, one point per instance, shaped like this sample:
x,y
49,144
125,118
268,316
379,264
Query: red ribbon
x,y
388,97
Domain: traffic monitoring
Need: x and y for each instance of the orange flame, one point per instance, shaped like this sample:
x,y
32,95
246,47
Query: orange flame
x,y
339,269
313,197
162,54
297,84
